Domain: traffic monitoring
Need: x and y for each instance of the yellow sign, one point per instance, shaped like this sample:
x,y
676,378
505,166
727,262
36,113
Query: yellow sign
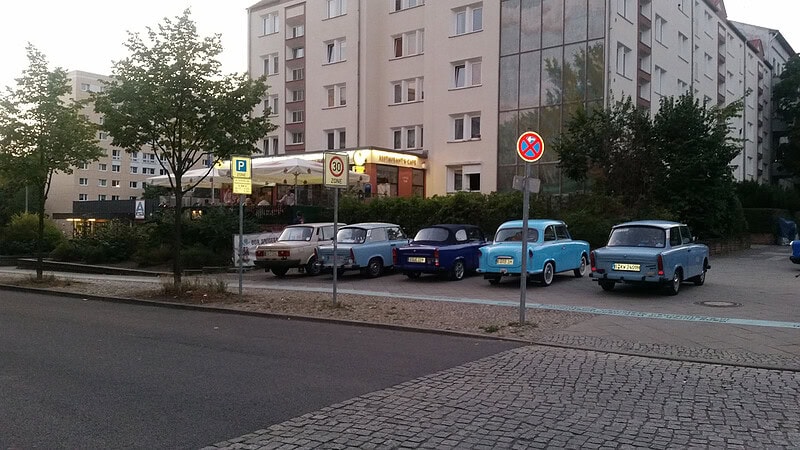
x,y
242,186
240,167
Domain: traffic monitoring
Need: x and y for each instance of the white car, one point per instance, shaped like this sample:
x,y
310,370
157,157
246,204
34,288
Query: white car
x,y
294,249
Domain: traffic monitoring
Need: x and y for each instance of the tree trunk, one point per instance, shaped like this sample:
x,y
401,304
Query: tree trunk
x,y
176,243
40,237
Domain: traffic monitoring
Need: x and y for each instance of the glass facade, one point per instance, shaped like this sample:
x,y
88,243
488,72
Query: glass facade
x,y
552,59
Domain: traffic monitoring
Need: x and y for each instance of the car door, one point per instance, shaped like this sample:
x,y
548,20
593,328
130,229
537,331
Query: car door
x,y
570,252
678,254
694,252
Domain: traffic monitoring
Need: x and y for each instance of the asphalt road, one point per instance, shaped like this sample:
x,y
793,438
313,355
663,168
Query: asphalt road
x,y
85,374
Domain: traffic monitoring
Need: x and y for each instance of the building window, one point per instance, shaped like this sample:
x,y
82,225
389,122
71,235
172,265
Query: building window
x,y
623,60
624,8
83,181
297,116
660,24
407,138
683,46
298,95
335,50
336,94
465,126
298,52
271,145
660,76
86,87
464,178
386,180
468,19
410,90
134,169
115,183
83,166
408,44
297,31
270,23
83,197
114,197
336,8
411,138
135,156
101,197
115,168
271,64
102,182
133,184
297,74
399,5
298,138
116,154
466,73
103,136
271,105
102,167
337,139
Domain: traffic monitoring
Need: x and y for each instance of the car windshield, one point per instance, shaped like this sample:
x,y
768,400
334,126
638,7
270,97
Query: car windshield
x,y
297,234
637,236
515,234
434,234
351,236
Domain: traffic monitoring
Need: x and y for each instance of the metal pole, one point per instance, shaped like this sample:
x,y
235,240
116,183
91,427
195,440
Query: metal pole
x,y
335,232
523,279
241,241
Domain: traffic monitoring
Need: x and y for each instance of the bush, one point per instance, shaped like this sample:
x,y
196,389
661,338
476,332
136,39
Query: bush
x,y
21,235
198,256
153,256
66,251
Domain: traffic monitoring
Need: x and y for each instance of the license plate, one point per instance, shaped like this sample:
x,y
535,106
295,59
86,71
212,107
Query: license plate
x,y
416,259
505,261
626,267
271,253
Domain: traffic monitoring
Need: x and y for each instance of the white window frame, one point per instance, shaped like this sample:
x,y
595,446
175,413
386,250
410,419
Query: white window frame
x,y
335,51
624,8
270,23
466,124
134,170
102,182
115,183
336,139
659,29
410,43
297,116
297,52
466,73
296,31
336,95
402,91
297,137
297,74
101,197
400,5
116,154
335,8
683,46
467,19
83,197
624,60
399,137
271,64
272,103
298,95
271,146
133,185
102,167
659,80
116,168
83,181
457,175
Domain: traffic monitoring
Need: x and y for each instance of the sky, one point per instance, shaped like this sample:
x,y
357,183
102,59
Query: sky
x,y
89,34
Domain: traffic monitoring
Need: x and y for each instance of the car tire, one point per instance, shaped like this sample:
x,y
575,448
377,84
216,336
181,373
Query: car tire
x,y
279,272
339,273
374,268
494,280
581,270
699,280
457,272
674,285
606,285
414,274
312,268
548,273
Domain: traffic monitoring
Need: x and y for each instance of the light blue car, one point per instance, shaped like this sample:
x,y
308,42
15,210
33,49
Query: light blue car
x,y
650,252
363,246
550,249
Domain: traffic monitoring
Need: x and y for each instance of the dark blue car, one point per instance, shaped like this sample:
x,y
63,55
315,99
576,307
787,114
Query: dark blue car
x,y
446,249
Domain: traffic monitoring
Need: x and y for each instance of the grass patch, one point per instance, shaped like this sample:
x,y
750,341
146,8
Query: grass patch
x,y
196,289
490,328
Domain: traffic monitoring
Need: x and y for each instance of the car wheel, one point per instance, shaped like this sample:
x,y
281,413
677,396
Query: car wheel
x,y
374,268
312,268
675,284
494,280
581,271
280,272
548,273
700,279
339,273
413,274
457,272
606,285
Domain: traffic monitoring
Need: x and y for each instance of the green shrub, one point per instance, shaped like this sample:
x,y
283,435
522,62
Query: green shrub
x,y
21,235
198,256
764,220
153,256
66,251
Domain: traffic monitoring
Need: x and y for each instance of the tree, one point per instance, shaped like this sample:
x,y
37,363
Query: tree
x,y
41,133
786,95
169,95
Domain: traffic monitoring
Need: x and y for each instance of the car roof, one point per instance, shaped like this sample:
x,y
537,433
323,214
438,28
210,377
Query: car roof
x,y
665,224
532,223
371,225
452,226
314,224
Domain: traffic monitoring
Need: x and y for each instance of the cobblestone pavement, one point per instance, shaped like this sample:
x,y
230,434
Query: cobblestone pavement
x,y
542,397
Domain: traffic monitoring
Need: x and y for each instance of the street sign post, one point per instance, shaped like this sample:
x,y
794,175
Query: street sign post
x,y
242,185
530,148
335,176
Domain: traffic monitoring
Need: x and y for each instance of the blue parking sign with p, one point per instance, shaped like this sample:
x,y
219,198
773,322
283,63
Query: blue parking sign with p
x,y
241,167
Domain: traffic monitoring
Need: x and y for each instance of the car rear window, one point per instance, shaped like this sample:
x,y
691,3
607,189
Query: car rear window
x,y
351,236
434,234
515,234
297,234
637,236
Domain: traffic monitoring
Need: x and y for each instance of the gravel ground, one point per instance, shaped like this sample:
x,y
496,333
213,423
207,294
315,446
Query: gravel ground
x,y
499,321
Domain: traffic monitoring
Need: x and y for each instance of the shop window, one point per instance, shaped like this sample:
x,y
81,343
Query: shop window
x,y
386,182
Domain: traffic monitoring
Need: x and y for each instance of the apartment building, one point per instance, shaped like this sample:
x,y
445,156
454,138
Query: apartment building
x,y
116,176
450,84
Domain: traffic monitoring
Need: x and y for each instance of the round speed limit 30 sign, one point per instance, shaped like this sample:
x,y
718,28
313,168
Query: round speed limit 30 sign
x,y
335,174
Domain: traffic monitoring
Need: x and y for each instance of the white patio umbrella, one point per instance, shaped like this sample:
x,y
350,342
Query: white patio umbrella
x,y
213,178
295,171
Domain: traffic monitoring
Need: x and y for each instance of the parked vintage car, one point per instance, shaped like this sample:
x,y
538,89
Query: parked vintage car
x,y
449,249
795,257
650,251
363,246
550,249
294,249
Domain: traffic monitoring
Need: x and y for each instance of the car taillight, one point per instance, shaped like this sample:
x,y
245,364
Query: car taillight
x,y
436,257
259,253
394,255
352,256
592,262
660,262
283,253
316,252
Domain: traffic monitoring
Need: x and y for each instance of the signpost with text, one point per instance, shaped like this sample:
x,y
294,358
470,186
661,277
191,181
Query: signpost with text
x,y
334,176
530,148
242,185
